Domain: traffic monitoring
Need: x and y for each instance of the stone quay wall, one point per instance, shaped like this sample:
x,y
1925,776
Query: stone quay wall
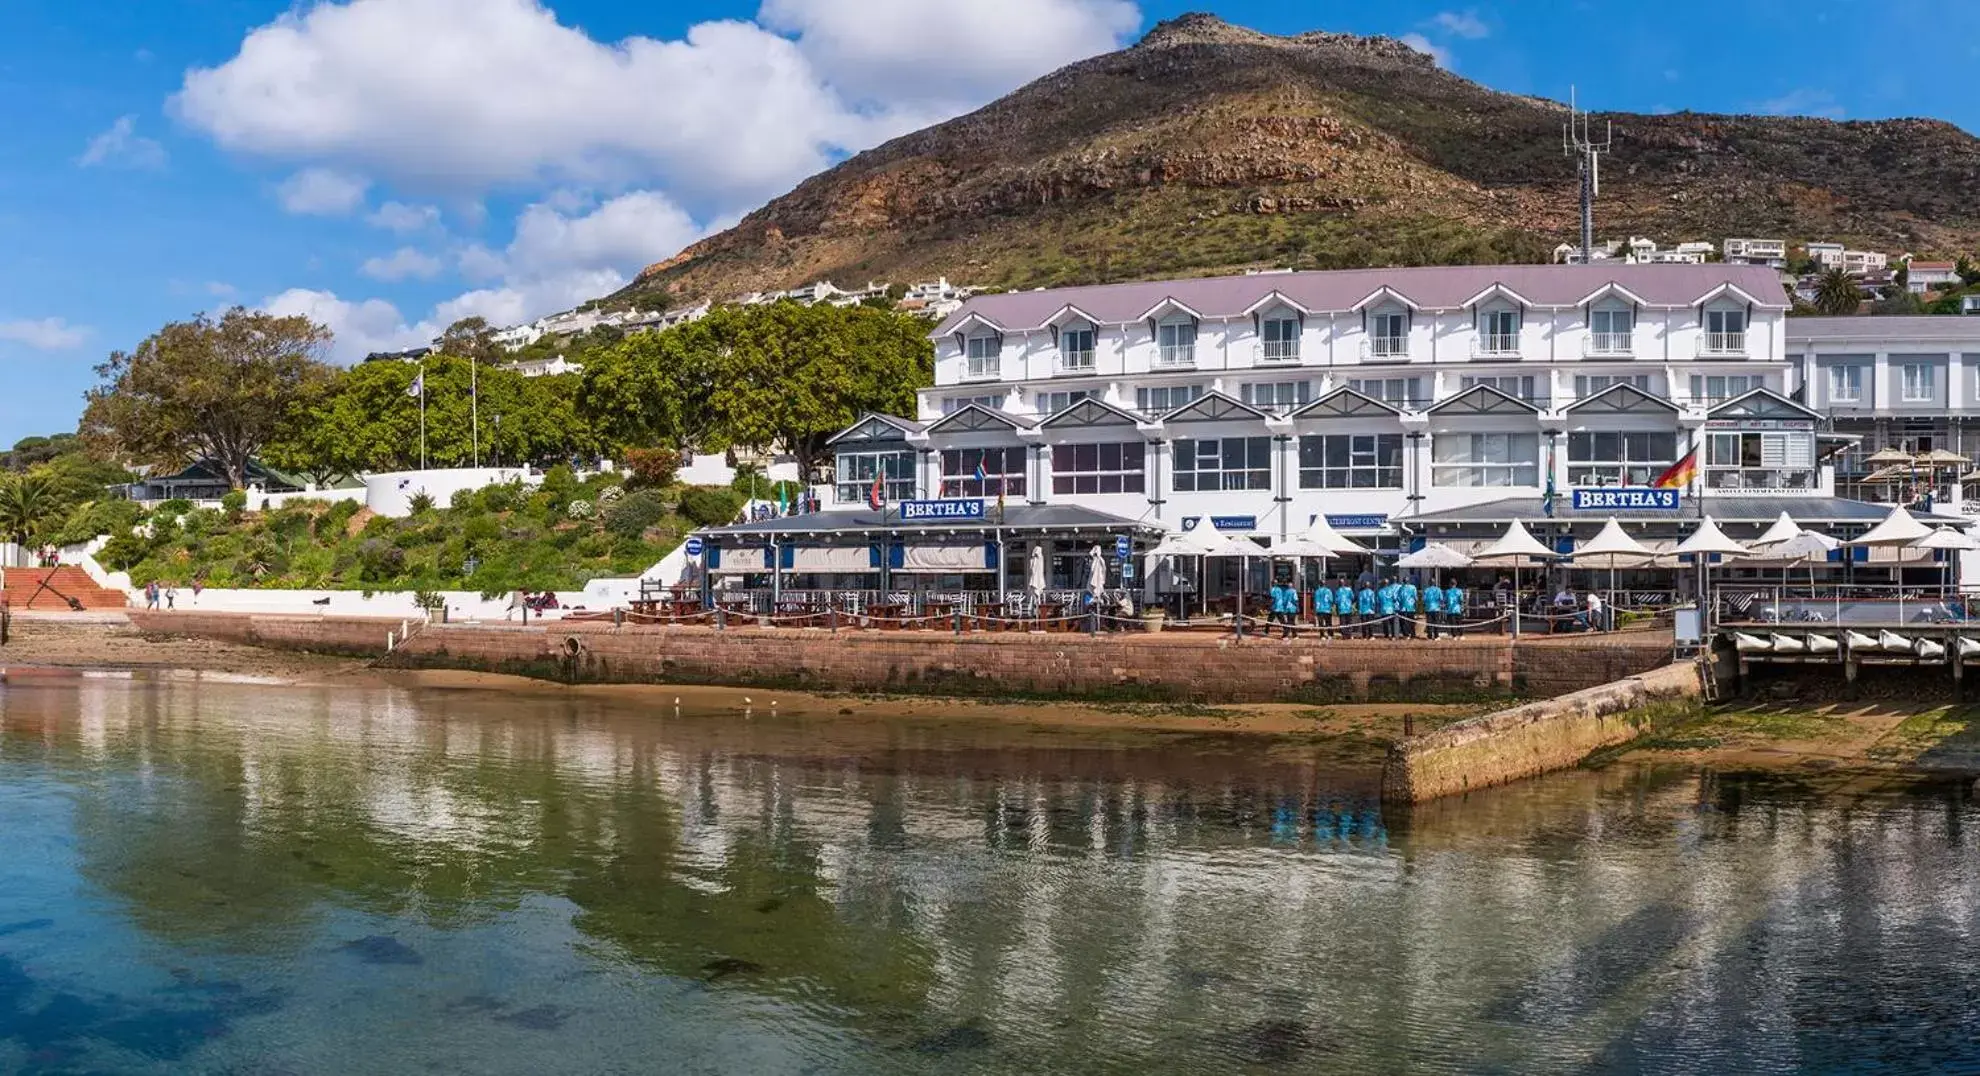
x,y
1166,666
1528,740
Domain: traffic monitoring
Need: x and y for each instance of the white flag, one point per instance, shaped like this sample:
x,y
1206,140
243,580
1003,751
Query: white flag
x,y
418,387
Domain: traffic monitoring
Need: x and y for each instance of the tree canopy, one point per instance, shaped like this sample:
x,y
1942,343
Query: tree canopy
x,y
1836,294
206,389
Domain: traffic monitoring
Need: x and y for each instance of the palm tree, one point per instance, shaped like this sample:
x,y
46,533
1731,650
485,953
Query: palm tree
x,y
28,505
1837,294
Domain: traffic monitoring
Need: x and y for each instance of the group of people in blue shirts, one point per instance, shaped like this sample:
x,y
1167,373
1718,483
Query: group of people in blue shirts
x,y
1388,605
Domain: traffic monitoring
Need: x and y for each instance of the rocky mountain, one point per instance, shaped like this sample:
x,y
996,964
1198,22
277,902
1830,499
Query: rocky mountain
x,y
1209,147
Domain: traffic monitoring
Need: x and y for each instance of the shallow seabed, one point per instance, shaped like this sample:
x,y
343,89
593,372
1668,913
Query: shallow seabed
x,y
238,878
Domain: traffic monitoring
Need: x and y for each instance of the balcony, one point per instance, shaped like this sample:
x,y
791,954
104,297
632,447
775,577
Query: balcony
x,y
987,370
1723,345
1609,346
1077,361
1385,349
1495,346
1278,352
1761,478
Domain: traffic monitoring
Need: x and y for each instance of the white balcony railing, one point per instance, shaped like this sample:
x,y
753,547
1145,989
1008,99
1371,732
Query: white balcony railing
x,y
1609,345
1385,348
1286,351
1080,361
1723,344
1175,357
1495,346
982,370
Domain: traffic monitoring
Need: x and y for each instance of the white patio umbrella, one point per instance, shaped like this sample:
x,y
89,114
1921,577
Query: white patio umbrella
x,y
1613,547
1300,546
1096,571
1898,528
1191,543
1804,547
1242,550
1034,571
1948,540
1434,556
1705,543
1782,529
1515,547
1323,533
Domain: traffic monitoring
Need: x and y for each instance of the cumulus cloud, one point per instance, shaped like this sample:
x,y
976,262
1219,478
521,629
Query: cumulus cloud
x,y
322,192
468,95
1428,48
401,264
121,146
360,328
403,218
1465,24
45,334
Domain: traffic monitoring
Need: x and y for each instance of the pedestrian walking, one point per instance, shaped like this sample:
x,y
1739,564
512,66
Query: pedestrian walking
x,y
151,596
1433,609
171,598
1406,597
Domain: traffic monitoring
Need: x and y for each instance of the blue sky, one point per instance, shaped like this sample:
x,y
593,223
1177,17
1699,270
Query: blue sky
x,y
389,165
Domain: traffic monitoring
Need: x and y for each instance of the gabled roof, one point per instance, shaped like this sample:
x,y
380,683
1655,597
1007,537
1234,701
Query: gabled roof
x,y
1169,304
1213,407
1346,403
1762,403
1622,398
1497,288
978,417
1067,313
1384,294
1484,400
972,319
1728,288
1089,412
1612,288
1341,291
876,427
1275,296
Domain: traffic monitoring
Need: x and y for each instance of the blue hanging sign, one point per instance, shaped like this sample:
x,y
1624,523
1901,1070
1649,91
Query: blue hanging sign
x,y
942,511
1122,547
1358,523
693,546
1234,523
1626,499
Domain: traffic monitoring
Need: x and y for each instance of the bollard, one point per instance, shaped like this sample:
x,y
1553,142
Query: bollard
x,y
1093,623
388,642
618,618
835,620
956,617
721,618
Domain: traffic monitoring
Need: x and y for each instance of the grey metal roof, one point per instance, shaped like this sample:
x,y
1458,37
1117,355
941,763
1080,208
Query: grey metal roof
x,y
1446,287
1728,509
864,521
1874,329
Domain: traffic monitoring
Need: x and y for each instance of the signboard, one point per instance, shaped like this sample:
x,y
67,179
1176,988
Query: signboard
x,y
1122,547
941,511
1626,499
1748,425
1127,571
1234,523
1190,522
693,546
1357,523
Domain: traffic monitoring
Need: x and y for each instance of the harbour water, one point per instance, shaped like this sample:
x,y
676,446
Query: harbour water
x,y
233,878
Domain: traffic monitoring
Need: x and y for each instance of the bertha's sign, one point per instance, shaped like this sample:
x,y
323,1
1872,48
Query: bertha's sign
x,y
940,511
1626,500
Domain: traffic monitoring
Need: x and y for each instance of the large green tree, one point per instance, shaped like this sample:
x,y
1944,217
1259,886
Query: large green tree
x,y
471,338
30,504
1836,294
206,389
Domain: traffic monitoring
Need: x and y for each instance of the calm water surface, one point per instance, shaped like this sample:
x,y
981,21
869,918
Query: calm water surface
x,y
201,877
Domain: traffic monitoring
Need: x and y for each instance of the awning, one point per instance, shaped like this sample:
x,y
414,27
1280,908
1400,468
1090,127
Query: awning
x,y
945,559
836,559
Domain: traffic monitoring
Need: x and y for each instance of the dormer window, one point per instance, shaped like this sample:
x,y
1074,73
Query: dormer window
x,y
1280,333
1076,348
1388,334
1499,332
982,357
1611,331
1177,343
1725,332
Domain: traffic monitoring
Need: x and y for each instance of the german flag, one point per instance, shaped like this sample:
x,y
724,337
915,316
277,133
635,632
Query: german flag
x,y
1680,475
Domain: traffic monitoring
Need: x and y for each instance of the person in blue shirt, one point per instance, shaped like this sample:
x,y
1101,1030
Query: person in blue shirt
x,y
1343,606
1323,606
1406,603
1385,599
1454,610
1433,609
1285,603
1364,604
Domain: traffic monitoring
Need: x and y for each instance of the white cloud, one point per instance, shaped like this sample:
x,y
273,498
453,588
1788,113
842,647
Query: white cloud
x,y
1425,46
122,146
220,289
47,334
322,192
401,264
1804,101
466,95
360,328
403,218
1465,24
478,263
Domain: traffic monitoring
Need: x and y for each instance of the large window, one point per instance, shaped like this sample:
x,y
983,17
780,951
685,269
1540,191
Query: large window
x,y
1783,460
1398,391
982,357
1586,385
1846,384
1281,339
1051,403
1619,459
1613,331
1205,466
1351,461
1715,389
1003,472
1177,341
855,472
1519,387
1918,382
1162,399
1277,395
1076,349
1103,468
1500,329
1388,335
1485,459
1725,331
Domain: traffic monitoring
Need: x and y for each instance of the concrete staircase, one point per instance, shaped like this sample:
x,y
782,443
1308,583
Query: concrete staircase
x,y
72,582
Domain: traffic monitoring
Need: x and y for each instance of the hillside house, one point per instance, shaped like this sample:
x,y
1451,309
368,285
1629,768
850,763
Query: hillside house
x,y
1769,252
1932,276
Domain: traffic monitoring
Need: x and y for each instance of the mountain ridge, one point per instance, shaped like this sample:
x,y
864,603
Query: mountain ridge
x,y
1209,147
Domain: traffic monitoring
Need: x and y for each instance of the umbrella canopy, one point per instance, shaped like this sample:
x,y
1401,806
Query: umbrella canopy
x,y
1096,570
1896,472
1034,570
1196,543
1709,539
1613,543
1299,546
1898,528
1233,546
1940,457
1946,538
1807,545
1783,529
1435,556
1888,454
1516,545
1323,533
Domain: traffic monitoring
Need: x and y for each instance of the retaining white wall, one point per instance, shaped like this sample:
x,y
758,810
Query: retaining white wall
x,y
461,604
390,493
258,501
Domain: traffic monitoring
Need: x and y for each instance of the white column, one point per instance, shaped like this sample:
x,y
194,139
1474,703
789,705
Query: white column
x,y
1957,393
1880,372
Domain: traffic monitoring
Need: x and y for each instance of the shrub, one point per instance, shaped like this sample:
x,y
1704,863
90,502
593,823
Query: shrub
x,y
580,510
379,561
234,502
420,503
174,508
560,482
709,506
123,552
636,512
501,497
463,500
331,524
652,468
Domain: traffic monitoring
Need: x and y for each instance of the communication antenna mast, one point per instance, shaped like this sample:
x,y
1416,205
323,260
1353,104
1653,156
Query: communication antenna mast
x,y
1578,141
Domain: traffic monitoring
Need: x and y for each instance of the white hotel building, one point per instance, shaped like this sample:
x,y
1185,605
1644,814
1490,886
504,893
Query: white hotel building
x,y
1399,403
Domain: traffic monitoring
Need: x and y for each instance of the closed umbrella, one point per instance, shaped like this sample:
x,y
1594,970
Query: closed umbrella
x,y
1096,571
1034,572
1514,547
